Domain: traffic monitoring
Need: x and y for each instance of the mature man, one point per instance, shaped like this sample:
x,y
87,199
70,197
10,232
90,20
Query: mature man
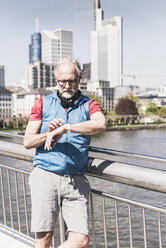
x,y
60,126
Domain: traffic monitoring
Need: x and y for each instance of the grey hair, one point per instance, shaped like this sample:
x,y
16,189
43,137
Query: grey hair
x,y
68,60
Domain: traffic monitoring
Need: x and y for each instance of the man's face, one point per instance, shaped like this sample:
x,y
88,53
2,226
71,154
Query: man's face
x,y
67,80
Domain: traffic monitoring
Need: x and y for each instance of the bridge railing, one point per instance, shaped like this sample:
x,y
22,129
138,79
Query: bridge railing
x,y
116,225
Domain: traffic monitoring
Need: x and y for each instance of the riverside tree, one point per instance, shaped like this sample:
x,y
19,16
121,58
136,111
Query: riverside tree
x,y
126,106
152,108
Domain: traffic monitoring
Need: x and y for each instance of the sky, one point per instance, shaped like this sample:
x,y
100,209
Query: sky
x,y
144,34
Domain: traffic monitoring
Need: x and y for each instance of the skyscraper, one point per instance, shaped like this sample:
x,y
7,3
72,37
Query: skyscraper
x,y
106,48
39,75
35,46
2,76
45,50
97,11
56,44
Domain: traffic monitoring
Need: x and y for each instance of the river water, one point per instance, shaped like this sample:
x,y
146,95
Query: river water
x,y
150,142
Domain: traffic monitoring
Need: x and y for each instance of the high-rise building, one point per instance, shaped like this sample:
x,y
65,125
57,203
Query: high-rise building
x,y
35,46
2,76
56,44
106,48
45,50
86,76
39,75
86,71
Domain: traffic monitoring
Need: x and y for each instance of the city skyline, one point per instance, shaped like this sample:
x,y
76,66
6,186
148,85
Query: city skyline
x,y
144,22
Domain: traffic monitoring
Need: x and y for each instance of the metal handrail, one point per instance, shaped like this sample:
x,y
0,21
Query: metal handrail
x,y
112,152
96,166
18,199
11,135
14,169
128,154
128,202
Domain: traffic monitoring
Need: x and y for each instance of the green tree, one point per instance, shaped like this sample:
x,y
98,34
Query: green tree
x,y
152,108
1,123
132,97
126,107
162,112
10,125
21,124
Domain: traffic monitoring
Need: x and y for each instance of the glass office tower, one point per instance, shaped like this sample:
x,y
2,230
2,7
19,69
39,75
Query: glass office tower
x,y
35,48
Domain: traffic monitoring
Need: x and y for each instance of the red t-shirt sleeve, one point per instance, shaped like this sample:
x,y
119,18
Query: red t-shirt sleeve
x,y
94,107
37,110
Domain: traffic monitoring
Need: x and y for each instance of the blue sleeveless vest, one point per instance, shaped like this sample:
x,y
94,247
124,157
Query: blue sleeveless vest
x,y
70,154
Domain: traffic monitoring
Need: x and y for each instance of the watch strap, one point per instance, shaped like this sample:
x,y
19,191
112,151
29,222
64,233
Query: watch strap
x,y
68,128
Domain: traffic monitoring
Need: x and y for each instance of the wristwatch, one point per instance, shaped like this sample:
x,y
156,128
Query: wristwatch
x,y
68,128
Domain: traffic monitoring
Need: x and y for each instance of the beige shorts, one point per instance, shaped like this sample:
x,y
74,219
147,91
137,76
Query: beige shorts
x,y
50,191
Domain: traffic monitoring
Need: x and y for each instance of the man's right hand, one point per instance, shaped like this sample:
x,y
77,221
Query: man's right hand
x,y
53,137
55,123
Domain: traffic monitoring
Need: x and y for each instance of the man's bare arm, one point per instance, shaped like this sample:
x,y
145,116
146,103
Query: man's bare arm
x,y
96,124
32,138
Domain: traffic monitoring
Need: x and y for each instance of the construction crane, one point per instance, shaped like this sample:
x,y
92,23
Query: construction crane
x,y
135,76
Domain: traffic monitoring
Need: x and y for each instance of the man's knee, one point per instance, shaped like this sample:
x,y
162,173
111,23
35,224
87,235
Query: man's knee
x,y
43,239
84,241
78,240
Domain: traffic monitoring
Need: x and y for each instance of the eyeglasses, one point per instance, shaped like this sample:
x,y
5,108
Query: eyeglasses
x,y
70,81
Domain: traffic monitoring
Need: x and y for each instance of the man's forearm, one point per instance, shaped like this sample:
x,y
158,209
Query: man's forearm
x,y
88,127
34,140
